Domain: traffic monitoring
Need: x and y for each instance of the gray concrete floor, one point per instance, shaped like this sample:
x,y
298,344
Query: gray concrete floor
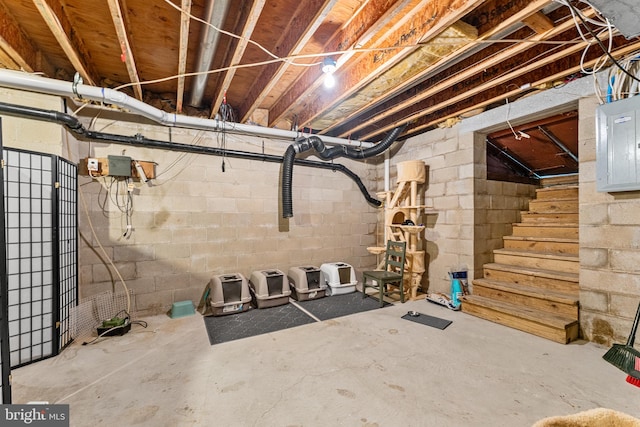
x,y
368,369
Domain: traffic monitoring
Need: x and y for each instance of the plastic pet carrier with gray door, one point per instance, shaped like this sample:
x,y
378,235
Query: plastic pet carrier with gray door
x,y
305,283
270,288
226,294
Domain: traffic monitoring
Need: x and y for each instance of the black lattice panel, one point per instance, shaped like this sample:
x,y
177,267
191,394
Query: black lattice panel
x,y
67,247
29,193
5,366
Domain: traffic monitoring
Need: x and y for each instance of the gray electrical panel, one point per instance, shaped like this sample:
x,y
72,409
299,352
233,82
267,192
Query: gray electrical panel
x,y
618,145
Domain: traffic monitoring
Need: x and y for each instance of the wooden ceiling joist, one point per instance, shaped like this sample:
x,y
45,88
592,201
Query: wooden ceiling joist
x,y
182,54
123,39
475,86
373,16
498,93
306,20
413,30
483,60
538,22
17,50
247,31
495,24
57,21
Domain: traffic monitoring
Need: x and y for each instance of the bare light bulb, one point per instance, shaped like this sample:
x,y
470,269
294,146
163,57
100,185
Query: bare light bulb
x,y
329,81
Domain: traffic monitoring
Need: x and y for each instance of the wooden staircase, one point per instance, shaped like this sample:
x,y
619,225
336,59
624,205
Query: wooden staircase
x,y
532,285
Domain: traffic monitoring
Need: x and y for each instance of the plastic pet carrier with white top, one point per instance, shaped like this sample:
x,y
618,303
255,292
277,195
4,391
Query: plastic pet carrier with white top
x,y
305,283
339,277
227,294
269,288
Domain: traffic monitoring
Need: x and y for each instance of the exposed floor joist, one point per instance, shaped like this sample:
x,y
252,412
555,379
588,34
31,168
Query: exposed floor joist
x,y
127,53
483,60
57,21
369,65
307,18
182,54
247,31
370,19
499,93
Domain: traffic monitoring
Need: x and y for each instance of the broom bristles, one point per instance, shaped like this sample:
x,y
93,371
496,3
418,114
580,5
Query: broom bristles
x,y
622,357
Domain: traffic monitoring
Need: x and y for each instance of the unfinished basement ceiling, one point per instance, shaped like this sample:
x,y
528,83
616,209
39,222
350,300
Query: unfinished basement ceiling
x,y
541,148
421,62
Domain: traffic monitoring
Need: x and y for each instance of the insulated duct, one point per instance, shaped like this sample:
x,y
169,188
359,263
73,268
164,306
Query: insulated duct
x,y
215,15
33,83
325,153
74,125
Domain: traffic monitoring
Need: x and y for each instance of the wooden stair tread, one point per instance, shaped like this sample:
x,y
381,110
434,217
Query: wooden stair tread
x,y
545,225
559,187
545,294
541,239
530,271
537,254
545,318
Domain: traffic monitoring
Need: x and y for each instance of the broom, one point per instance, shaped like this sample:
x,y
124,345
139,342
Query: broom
x,y
624,356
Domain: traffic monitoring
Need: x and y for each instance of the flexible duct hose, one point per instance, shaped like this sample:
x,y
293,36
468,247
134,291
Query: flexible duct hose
x,y
325,153
287,181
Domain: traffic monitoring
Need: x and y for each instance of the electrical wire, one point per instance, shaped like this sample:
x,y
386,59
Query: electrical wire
x,y
602,46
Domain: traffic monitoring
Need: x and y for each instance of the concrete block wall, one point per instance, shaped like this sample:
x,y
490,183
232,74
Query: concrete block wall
x,y
449,190
28,134
195,221
609,246
498,204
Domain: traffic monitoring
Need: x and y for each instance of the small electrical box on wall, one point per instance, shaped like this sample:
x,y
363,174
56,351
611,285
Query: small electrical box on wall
x,y
618,145
117,166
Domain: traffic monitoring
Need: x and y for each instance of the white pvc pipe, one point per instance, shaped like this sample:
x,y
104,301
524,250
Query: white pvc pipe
x,y
34,83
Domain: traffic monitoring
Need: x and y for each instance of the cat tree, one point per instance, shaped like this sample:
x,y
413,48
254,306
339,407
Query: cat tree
x,y
403,222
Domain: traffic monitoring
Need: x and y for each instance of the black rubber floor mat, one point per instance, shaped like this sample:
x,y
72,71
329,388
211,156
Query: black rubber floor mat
x,y
254,322
340,305
425,319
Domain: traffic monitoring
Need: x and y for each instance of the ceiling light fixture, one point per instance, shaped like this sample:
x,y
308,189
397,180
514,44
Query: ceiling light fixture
x,y
328,68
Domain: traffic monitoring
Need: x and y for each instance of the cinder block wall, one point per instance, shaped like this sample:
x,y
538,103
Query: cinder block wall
x,y
498,205
609,246
449,191
195,221
472,213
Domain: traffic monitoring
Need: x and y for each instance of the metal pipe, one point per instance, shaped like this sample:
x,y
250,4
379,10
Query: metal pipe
x,y
33,83
74,125
557,141
215,15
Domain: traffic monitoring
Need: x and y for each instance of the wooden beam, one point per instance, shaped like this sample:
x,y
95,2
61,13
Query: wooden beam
x,y
18,49
491,25
6,61
412,29
485,59
538,22
304,23
182,54
536,78
250,25
58,22
123,39
368,21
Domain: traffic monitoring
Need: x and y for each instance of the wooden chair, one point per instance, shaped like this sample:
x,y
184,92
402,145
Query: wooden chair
x,y
391,275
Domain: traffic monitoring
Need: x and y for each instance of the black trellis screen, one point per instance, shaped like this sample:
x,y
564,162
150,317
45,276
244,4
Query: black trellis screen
x,y
5,366
41,229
